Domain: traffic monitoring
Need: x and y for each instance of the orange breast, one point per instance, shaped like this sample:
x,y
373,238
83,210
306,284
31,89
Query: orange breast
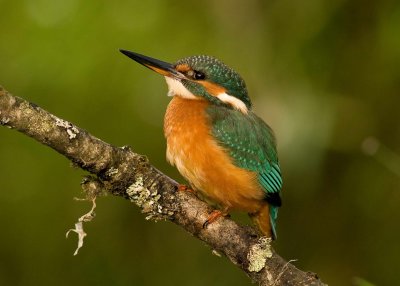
x,y
206,165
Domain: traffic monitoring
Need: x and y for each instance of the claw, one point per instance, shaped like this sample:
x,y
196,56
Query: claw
x,y
214,215
184,188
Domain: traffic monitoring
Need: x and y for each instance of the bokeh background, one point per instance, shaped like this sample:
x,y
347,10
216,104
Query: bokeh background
x,y
324,74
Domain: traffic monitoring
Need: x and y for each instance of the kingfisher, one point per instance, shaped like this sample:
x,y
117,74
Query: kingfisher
x,y
216,141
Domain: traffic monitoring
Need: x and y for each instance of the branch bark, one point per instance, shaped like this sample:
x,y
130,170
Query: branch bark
x,y
124,173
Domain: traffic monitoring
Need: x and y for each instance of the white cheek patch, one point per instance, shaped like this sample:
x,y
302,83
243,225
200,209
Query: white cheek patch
x,y
233,101
175,87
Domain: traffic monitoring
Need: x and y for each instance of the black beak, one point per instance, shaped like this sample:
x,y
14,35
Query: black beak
x,y
163,68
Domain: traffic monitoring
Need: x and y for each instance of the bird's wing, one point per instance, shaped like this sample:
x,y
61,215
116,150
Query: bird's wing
x,y
251,144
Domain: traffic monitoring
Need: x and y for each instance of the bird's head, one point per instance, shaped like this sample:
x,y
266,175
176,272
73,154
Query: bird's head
x,y
200,77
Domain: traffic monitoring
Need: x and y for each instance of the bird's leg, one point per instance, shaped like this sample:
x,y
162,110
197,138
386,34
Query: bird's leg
x,y
214,215
184,188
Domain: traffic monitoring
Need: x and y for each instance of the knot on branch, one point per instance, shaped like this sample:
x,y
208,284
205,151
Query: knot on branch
x,y
92,187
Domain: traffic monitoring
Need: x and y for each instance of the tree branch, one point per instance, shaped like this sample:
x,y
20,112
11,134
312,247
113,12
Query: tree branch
x,y
124,173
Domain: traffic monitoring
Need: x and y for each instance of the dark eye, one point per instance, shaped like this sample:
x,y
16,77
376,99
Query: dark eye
x,y
199,75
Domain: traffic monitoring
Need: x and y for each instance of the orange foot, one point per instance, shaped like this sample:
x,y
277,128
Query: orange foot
x,y
184,188
214,215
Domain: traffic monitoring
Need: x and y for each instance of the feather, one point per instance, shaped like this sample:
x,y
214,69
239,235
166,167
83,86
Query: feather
x,y
251,144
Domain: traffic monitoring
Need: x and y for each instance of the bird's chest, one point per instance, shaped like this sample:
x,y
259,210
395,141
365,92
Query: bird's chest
x,y
187,132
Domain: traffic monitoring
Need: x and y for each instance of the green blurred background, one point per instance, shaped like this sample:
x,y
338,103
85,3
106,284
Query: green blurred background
x,y
324,74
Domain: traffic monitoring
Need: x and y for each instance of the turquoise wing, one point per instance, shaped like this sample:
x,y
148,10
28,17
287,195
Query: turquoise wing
x,y
251,144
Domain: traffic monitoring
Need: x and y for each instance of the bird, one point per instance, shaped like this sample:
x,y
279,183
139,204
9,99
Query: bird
x,y
216,141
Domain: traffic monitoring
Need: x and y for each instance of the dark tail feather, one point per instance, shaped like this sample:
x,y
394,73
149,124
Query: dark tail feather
x,y
273,215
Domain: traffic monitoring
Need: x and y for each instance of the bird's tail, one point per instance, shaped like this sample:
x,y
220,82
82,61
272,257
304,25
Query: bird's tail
x,y
273,215
265,219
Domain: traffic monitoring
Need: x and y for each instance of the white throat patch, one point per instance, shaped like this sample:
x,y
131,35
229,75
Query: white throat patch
x,y
175,87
